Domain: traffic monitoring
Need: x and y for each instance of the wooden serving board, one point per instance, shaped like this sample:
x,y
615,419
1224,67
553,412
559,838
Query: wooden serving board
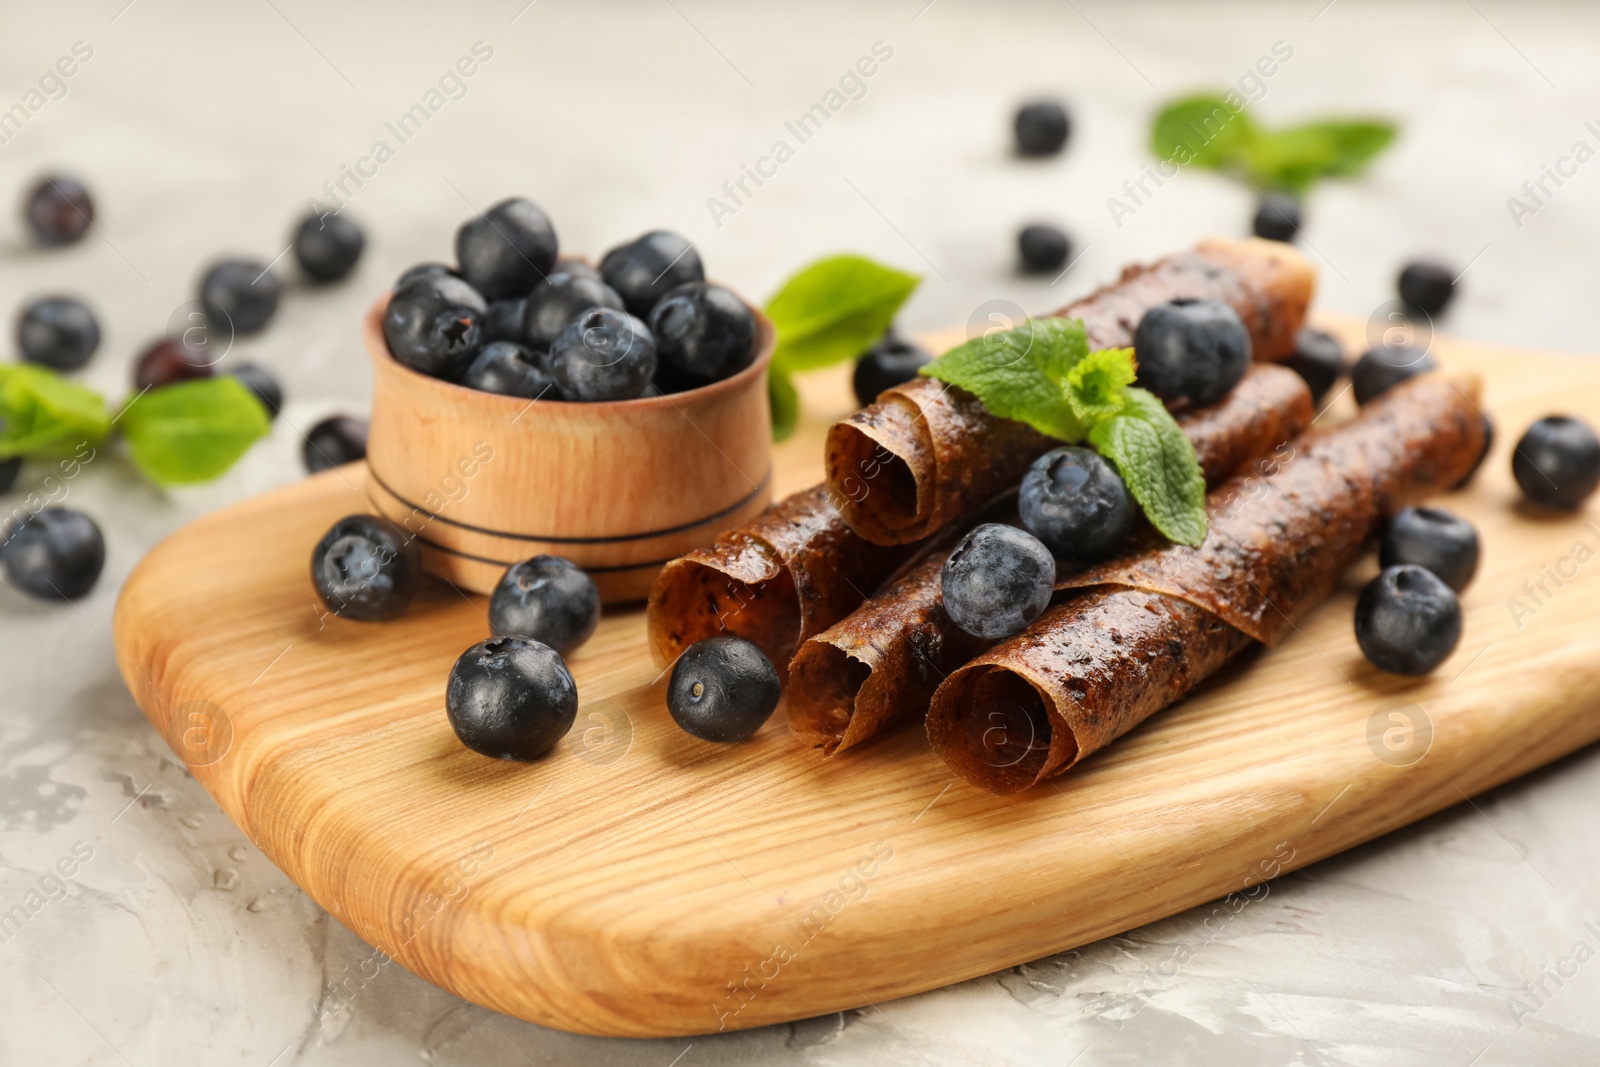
x,y
639,882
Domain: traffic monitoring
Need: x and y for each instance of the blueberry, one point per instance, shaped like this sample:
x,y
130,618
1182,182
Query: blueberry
x,y
703,333
511,698
424,270
1557,462
1042,128
260,381
170,360
997,581
507,250
59,332
59,210
435,325
503,320
722,689
328,246
576,266
1318,358
559,299
1427,287
1074,501
603,355
334,442
1407,620
1435,539
1385,367
648,267
547,599
1277,217
54,554
511,369
240,294
886,364
366,568
9,469
1194,350
1043,248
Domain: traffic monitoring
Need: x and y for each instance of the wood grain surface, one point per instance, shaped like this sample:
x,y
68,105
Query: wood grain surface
x,y
638,882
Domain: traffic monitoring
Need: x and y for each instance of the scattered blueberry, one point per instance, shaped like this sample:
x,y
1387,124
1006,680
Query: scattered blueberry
x,y
886,364
424,270
170,360
703,333
241,294
1427,287
59,210
1043,248
366,568
1385,367
1042,128
334,442
511,698
59,332
54,554
1318,357
511,369
263,383
1194,350
547,599
1557,462
603,355
9,469
559,299
648,267
1074,501
1443,543
434,325
507,250
1407,620
997,581
328,246
1278,217
503,320
722,689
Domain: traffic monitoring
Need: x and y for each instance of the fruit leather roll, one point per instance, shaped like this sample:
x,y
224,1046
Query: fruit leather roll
x,y
882,662
1150,626
925,454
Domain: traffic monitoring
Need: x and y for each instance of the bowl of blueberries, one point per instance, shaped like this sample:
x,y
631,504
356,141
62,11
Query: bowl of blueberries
x,y
525,402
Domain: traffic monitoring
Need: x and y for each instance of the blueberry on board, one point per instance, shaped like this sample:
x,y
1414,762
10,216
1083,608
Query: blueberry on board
x,y
559,299
997,581
1557,462
703,333
366,568
54,554
1074,501
1427,287
1433,538
1407,620
887,364
170,360
59,210
1043,248
435,325
1318,357
333,442
1381,369
547,599
260,381
503,320
648,267
424,270
328,246
511,698
1194,350
1042,128
58,331
1277,217
9,469
510,369
603,354
241,294
722,689
507,250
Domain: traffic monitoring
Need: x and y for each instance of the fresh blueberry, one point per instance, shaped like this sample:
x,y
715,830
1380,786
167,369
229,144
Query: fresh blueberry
x,y
548,599
170,360
1445,544
435,325
424,270
510,369
559,299
1318,358
54,554
1042,128
366,568
334,442
722,689
59,332
508,250
603,354
511,698
260,381
1427,287
241,294
1278,217
59,210
9,469
648,267
997,581
1385,367
328,246
1043,248
886,364
1407,620
703,333
1557,462
1074,501
1194,350
576,266
503,320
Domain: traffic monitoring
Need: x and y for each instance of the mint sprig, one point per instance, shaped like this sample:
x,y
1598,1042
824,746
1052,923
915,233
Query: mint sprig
x,y
43,412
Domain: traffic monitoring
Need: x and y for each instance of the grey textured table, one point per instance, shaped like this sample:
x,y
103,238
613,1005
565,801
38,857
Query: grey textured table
x,y
204,129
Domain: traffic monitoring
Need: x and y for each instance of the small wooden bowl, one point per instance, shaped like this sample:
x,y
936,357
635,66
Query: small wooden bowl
x,y
619,488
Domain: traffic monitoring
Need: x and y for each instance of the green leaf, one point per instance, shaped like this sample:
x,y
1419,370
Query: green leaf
x,y
42,410
1204,131
834,310
1296,157
1097,386
1158,463
785,403
1021,373
192,431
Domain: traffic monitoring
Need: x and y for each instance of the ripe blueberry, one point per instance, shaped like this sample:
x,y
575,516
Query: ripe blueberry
x,y
435,325
59,332
366,568
334,442
1557,462
703,333
1074,501
1319,359
170,360
424,270
997,581
1407,620
559,299
603,354
260,381
1427,287
722,689
503,320
1277,217
1194,350
548,599
328,246
1385,367
648,267
240,294
59,210
1433,538
511,698
54,554
507,250
1043,248
1042,128
511,369
886,364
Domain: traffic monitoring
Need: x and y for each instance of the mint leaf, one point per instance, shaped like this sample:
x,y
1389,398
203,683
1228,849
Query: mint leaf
x,y
1021,373
1204,131
192,431
1158,463
1294,158
42,410
785,403
1097,386
834,310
